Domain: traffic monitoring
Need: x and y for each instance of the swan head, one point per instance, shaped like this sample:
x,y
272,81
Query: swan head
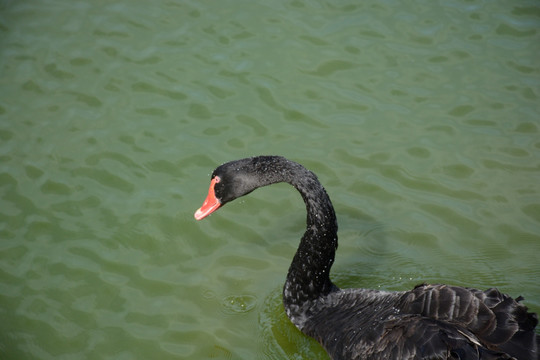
x,y
233,180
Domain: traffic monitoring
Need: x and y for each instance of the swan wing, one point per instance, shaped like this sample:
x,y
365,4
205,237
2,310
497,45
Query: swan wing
x,y
496,320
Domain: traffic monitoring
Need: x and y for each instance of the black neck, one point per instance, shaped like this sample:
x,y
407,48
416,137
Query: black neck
x,y
308,277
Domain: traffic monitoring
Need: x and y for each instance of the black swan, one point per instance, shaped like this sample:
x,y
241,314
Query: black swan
x,y
427,322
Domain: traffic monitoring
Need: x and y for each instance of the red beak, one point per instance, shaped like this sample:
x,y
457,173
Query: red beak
x,y
211,203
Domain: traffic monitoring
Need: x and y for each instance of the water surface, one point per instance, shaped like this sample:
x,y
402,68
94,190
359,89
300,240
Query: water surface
x,y
421,119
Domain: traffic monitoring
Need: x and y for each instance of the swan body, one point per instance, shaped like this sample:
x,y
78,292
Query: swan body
x,y
427,322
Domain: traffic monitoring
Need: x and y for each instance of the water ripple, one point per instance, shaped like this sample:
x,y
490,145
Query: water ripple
x,y
422,124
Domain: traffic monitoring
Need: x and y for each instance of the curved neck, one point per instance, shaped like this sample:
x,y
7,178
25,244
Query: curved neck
x,y
308,277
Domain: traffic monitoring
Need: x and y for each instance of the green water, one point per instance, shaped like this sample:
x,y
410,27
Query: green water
x,y
421,118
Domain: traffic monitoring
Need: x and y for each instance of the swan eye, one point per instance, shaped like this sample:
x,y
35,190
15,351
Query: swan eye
x,y
217,179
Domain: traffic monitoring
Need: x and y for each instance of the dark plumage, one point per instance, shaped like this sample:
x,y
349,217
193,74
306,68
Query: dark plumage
x,y
427,322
